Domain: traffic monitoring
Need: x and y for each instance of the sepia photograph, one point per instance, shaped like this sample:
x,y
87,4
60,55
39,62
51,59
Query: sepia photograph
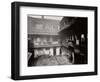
x,y
53,40
56,40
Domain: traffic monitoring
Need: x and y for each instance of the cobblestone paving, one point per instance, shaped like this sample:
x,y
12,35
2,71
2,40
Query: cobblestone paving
x,y
52,61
